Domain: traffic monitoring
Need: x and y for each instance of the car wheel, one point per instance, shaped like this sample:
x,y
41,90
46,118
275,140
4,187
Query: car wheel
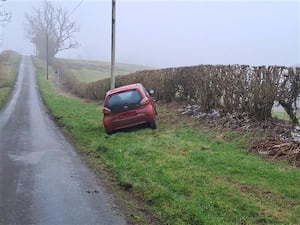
x,y
109,132
153,125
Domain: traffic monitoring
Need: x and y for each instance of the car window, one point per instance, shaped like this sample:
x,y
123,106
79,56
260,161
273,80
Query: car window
x,y
124,101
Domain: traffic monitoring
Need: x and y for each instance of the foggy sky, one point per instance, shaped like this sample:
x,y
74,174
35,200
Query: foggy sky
x,y
175,33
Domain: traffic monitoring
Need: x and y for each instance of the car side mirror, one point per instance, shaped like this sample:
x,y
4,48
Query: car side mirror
x,y
151,92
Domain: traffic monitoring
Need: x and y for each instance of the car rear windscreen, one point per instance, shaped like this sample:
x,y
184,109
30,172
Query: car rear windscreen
x,y
124,101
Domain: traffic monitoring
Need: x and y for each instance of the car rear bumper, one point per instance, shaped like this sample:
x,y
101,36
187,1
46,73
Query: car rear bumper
x,y
112,123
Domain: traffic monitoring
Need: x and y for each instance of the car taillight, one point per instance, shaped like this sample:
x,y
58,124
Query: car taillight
x,y
106,110
144,101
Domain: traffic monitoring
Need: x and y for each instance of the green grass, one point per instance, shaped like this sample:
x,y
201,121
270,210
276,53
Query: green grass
x,y
283,116
184,175
8,74
89,71
89,75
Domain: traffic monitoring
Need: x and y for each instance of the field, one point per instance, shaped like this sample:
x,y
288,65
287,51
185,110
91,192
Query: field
x,y
182,173
8,72
89,71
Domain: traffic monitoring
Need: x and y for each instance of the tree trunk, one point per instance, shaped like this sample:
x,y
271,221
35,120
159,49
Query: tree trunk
x,y
288,107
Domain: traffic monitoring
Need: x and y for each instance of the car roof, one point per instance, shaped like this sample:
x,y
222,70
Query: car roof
x,y
124,88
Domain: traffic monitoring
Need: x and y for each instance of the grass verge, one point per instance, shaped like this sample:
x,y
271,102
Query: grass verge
x,y
9,62
89,71
182,174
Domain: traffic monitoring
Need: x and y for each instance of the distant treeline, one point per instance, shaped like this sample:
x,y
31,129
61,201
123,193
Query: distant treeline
x,y
242,89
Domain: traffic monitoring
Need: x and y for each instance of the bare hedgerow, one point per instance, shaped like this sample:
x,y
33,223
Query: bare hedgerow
x,y
288,90
239,89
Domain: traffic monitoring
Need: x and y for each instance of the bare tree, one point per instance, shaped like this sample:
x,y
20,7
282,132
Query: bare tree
x,y
289,91
52,24
5,16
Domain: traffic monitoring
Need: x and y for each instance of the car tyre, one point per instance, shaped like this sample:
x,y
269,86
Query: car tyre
x,y
109,132
153,125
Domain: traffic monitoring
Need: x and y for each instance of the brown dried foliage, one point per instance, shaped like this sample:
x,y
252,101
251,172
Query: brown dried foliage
x,y
274,149
240,89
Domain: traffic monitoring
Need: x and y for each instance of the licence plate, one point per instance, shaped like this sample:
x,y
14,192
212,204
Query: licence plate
x,y
126,115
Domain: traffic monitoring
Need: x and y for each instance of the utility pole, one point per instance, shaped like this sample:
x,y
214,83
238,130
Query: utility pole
x,y
113,41
47,55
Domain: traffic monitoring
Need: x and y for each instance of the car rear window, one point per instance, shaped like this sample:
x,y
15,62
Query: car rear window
x,y
124,101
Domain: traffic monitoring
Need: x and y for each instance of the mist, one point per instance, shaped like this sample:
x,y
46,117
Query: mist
x,y
173,33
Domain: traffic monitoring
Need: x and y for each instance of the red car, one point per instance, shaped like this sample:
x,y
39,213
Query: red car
x,y
128,106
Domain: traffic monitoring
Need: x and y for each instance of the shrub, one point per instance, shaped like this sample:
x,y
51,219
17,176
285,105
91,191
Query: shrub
x,y
240,89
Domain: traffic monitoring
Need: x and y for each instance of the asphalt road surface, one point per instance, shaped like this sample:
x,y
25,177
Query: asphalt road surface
x,y
42,180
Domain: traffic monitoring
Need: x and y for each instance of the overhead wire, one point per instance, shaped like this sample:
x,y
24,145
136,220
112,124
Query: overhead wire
x,y
76,7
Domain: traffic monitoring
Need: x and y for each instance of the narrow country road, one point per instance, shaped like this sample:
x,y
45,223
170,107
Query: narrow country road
x,y
42,180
